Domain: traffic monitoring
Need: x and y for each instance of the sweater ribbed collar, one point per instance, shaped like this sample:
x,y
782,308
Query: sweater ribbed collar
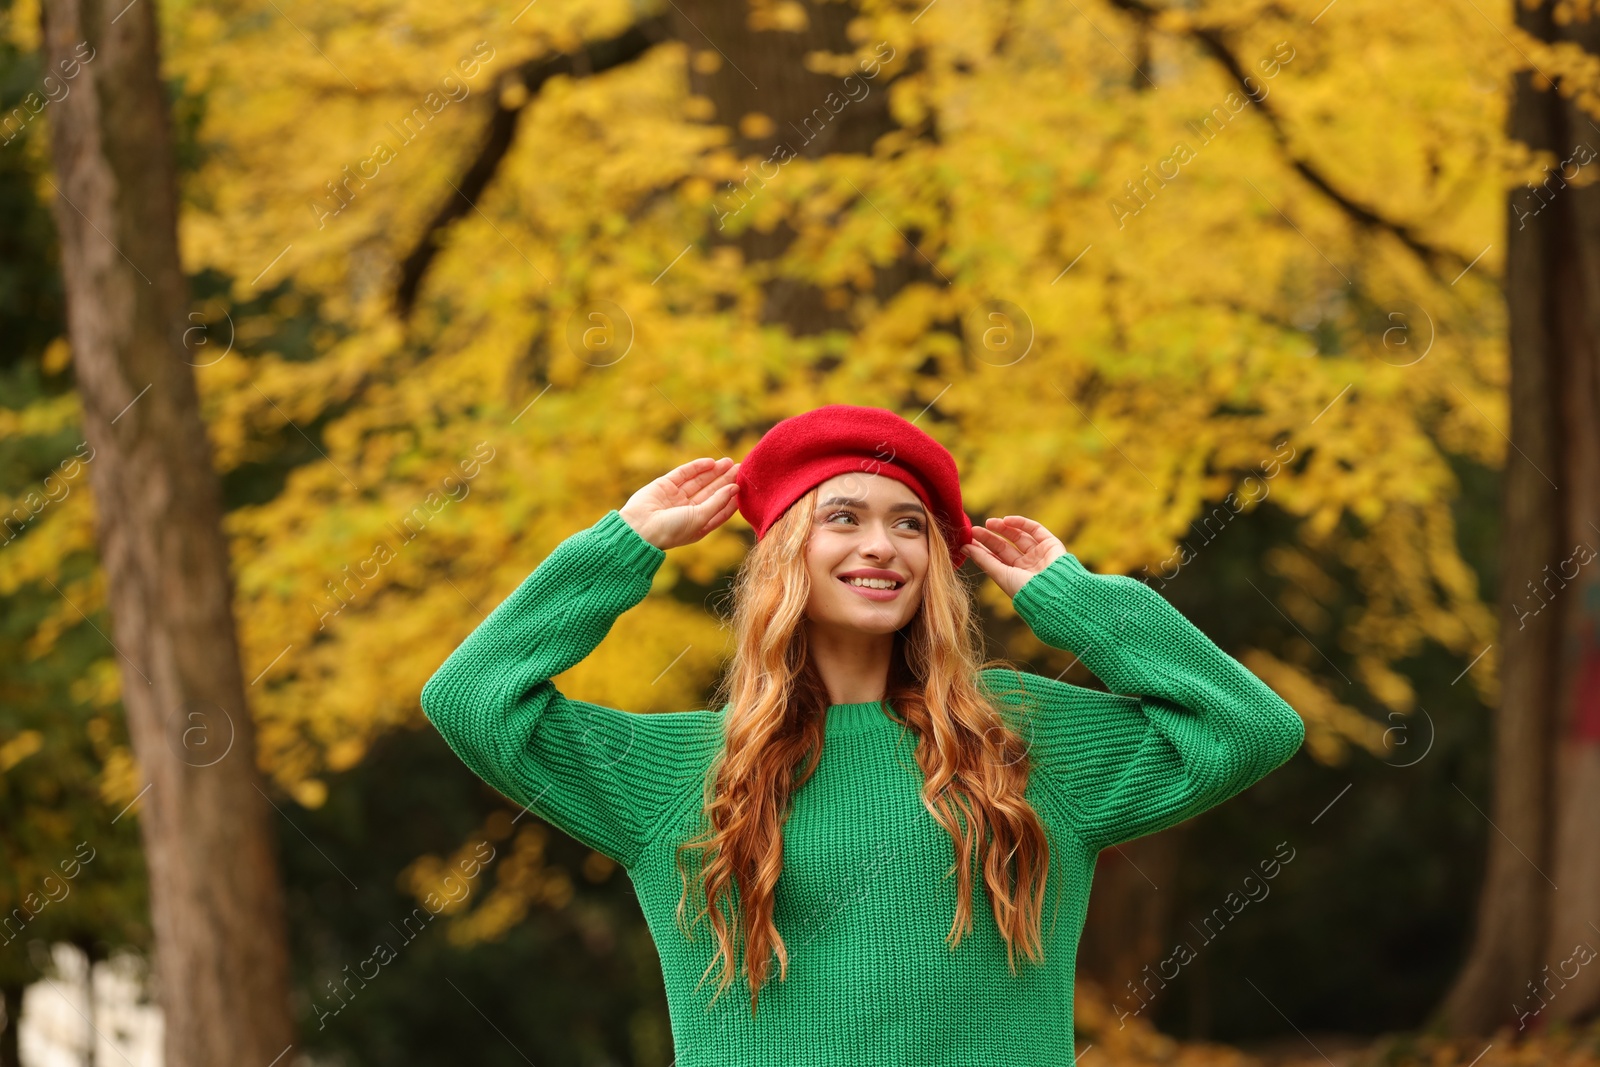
x,y
847,719
843,720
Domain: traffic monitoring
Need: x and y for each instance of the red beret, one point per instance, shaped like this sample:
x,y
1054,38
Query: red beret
x,y
806,450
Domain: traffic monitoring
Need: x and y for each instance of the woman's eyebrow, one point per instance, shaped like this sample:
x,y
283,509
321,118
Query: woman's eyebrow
x,y
855,503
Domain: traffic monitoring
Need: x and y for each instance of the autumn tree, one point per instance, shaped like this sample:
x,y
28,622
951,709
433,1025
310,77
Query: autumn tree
x,y
216,903
1137,266
1541,892
808,201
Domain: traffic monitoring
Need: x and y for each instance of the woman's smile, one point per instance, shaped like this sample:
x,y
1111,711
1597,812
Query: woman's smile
x,y
871,593
873,583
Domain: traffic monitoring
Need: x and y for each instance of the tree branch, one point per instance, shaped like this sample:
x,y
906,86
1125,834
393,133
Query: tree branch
x,y
596,58
1214,44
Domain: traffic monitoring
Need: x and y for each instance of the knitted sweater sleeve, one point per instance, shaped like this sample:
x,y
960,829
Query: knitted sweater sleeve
x,y
604,776
1197,728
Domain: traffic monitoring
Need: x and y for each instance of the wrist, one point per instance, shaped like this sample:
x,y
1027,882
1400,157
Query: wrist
x,y
636,521
628,544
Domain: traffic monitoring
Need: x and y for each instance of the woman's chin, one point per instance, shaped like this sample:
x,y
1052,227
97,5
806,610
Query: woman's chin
x,y
868,621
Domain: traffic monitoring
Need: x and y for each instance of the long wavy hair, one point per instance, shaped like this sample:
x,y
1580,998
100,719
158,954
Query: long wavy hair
x,y
974,765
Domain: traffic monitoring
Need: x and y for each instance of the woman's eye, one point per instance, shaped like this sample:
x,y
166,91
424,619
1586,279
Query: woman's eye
x,y
916,524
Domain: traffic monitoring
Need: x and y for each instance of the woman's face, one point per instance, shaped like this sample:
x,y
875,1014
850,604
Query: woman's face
x,y
866,525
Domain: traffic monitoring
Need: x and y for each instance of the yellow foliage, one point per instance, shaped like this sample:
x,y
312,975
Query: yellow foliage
x,y
449,883
1332,727
309,792
522,880
1131,1041
786,15
121,780
100,686
1130,343
19,748
1563,1045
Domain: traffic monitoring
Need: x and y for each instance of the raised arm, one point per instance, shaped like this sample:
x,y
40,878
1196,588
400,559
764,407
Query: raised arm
x,y
601,775
1199,727
1186,726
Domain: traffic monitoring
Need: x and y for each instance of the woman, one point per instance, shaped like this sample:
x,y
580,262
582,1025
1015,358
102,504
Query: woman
x,y
900,832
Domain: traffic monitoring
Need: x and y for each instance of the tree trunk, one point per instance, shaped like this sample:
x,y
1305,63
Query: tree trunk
x,y
216,902
1574,580
812,115
1129,933
1546,778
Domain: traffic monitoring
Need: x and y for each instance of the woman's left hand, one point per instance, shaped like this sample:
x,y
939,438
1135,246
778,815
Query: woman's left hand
x,y
1012,550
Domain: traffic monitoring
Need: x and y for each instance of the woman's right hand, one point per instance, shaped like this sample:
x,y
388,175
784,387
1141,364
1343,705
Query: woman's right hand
x,y
685,504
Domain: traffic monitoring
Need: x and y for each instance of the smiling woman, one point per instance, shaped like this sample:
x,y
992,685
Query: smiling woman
x,y
864,754
867,559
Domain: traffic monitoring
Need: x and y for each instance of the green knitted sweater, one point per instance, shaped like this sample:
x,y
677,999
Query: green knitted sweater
x,y
864,903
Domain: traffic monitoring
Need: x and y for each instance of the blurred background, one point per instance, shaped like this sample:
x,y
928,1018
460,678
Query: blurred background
x,y
321,324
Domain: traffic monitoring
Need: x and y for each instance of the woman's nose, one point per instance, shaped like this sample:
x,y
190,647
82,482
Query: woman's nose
x,y
878,544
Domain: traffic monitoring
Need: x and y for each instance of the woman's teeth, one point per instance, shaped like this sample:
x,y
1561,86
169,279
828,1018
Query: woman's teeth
x,y
873,583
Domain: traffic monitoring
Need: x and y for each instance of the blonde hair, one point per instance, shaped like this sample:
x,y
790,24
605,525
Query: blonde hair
x,y
974,765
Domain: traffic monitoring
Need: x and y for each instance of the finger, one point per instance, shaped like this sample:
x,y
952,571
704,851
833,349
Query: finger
x,y
986,536
999,548
987,554
1027,533
690,469
723,476
997,527
700,473
704,504
715,484
671,484
1005,527
997,545
723,512
985,560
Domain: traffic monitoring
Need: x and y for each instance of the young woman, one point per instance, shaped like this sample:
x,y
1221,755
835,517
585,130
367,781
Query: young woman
x,y
899,831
